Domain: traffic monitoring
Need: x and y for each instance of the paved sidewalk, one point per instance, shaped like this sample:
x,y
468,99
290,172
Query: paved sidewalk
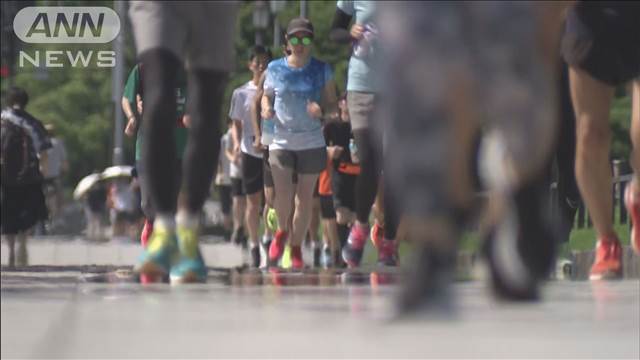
x,y
70,303
292,319
64,251
61,251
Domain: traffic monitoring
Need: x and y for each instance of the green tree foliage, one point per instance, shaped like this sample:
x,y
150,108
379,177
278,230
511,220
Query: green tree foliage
x,y
79,100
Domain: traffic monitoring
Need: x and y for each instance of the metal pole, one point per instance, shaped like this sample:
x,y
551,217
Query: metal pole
x,y
276,34
118,80
304,9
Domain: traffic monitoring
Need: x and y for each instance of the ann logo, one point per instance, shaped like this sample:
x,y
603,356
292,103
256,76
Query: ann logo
x,y
66,24
74,28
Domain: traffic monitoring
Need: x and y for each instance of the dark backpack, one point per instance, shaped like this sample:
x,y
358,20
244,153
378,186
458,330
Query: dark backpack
x,y
18,160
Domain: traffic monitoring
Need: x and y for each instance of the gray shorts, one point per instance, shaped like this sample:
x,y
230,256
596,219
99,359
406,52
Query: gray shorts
x,y
311,161
200,33
361,107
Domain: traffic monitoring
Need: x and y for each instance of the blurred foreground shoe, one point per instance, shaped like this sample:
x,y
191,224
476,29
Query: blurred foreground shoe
x,y
608,261
521,246
521,240
159,255
427,280
632,203
352,250
190,267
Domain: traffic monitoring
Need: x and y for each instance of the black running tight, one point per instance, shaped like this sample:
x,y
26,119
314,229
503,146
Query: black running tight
x,y
369,151
391,214
204,98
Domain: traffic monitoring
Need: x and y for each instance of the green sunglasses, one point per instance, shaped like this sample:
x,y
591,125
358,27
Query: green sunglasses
x,y
306,41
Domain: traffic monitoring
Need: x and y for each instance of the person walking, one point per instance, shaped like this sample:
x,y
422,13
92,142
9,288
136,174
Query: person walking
x,y
239,199
57,166
446,88
362,100
243,139
344,172
294,88
223,184
200,36
600,44
133,106
24,141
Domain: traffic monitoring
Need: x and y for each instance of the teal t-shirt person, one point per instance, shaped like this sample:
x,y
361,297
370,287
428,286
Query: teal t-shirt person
x,y
361,77
293,88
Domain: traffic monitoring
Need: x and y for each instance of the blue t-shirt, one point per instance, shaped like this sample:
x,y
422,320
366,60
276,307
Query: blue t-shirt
x,y
293,88
361,76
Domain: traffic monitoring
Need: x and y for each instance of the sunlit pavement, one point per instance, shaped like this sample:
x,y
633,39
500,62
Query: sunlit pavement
x,y
88,312
61,307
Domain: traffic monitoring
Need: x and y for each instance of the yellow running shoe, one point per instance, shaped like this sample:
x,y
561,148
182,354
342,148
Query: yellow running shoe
x,y
190,268
286,258
160,254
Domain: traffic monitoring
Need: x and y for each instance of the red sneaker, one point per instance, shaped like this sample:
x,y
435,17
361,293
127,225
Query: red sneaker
x,y
296,258
632,203
353,249
608,263
377,234
276,249
147,230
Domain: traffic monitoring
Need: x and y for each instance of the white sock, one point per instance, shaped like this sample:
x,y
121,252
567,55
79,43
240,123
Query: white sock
x,y
184,219
165,221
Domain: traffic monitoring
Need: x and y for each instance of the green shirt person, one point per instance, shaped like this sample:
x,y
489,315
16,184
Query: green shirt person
x,y
132,102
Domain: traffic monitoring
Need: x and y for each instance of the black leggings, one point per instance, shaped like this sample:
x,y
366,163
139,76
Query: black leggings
x,y
369,152
391,214
205,89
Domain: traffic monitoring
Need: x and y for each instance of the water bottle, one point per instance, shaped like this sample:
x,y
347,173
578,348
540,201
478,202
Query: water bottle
x,y
363,47
353,149
268,128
